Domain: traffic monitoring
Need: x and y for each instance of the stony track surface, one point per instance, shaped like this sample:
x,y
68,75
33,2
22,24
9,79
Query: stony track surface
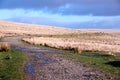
x,y
46,64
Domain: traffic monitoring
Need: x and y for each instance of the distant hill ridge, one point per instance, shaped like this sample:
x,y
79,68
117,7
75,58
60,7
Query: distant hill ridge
x,y
33,29
22,28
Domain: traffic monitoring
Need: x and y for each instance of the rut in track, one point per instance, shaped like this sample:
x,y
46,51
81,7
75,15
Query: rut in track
x,y
46,64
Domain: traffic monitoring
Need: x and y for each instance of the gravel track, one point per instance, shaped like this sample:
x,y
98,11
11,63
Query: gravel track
x,y
46,64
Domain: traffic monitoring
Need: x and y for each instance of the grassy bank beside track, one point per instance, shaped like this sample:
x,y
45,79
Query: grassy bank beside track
x,y
11,65
98,60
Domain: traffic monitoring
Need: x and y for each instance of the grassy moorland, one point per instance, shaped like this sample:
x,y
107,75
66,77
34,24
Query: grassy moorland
x,y
31,29
80,42
99,50
11,64
100,61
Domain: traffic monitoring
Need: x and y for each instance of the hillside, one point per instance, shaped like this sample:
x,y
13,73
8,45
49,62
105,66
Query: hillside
x,y
62,49
33,29
21,28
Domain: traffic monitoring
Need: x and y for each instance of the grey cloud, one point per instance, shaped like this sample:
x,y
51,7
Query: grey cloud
x,y
78,7
95,10
50,3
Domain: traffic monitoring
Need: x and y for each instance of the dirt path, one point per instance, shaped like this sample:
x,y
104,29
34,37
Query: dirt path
x,y
49,65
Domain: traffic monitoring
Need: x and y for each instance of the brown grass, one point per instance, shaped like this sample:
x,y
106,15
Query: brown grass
x,y
77,40
30,29
105,42
4,47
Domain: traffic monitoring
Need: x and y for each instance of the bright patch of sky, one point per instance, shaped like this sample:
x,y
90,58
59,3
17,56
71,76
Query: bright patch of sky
x,y
7,14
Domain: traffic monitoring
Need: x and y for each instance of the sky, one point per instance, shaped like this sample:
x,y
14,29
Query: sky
x,y
77,14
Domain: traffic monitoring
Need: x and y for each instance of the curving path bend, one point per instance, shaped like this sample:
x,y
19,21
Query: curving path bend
x,y
46,64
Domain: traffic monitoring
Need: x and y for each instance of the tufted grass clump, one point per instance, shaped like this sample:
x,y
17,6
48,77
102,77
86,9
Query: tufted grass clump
x,y
4,47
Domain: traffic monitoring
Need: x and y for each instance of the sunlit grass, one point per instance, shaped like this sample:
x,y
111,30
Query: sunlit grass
x,y
11,65
78,42
98,60
99,50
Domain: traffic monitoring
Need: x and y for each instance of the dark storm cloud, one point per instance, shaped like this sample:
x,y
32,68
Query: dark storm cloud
x,y
77,7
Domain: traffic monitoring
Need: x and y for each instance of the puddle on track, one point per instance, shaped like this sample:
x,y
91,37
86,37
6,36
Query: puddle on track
x,y
38,56
38,59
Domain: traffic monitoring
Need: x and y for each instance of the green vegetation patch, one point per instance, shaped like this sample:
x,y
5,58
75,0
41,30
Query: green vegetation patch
x,y
98,60
11,65
76,35
103,62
